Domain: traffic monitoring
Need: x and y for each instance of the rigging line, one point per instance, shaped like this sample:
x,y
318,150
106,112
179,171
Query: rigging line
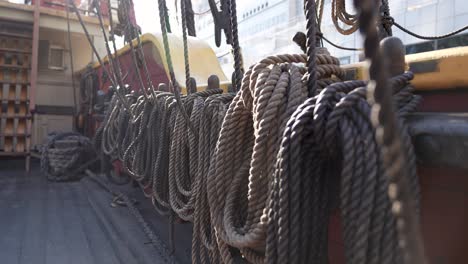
x,y
200,13
310,50
167,51
383,26
111,24
142,56
384,120
133,32
428,37
109,53
186,55
112,65
190,18
166,17
338,46
72,67
238,67
114,83
145,66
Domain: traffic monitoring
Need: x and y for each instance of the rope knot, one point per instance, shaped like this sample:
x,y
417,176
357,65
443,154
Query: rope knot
x,y
387,20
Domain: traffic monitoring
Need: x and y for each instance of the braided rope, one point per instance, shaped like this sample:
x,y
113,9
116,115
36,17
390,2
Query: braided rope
x,y
344,22
167,51
188,84
238,68
394,155
66,161
247,181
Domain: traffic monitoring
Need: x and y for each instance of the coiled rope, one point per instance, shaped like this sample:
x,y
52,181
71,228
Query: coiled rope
x,y
259,173
389,138
158,150
266,170
66,156
246,151
344,22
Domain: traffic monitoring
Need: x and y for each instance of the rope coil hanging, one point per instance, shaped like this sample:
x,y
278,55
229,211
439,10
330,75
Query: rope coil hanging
x,y
259,172
253,189
389,138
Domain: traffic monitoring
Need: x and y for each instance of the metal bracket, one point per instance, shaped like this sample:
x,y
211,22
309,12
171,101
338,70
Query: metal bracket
x,y
221,21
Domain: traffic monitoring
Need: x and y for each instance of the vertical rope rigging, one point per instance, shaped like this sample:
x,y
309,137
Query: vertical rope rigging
x,y
389,138
238,67
259,172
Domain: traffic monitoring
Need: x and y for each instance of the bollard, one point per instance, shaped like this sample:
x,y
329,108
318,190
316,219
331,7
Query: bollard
x,y
393,50
192,86
213,82
163,87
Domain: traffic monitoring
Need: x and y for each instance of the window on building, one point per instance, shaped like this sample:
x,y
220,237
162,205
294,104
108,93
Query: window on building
x,y
345,60
451,42
455,41
420,47
56,58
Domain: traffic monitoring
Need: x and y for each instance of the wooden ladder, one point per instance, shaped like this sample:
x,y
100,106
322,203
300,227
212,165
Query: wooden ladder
x,y
15,70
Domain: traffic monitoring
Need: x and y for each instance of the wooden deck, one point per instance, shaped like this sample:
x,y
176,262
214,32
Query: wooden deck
x,y
55,223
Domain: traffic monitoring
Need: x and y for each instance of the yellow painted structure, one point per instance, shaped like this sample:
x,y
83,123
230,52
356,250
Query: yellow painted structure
x,y
202,59
434,70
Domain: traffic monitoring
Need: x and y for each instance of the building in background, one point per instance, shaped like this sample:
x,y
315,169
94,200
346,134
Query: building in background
x,y
267,27
36,88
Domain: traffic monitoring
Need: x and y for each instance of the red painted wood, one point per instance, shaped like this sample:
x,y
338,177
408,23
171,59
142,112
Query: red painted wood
x,y
444,101
157,72
445,214
444,217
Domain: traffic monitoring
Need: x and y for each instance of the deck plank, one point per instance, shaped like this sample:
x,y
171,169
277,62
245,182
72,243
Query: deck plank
x,y
55,223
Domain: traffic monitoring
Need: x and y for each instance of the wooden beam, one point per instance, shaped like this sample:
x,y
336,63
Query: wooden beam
x,y
35,57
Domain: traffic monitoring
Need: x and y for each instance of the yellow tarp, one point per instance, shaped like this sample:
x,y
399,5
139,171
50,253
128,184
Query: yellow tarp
x,y
203,60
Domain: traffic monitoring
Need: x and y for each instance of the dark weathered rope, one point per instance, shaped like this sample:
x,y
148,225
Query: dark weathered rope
x,y
388,127
384,27
66,156
262,176
259,176
167,51
407,31
246,152
311,30
114,82
190,17
238,67
336,45
185,41
137,55
112,33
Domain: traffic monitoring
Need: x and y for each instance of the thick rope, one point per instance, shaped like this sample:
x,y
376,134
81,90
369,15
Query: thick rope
x,y
246,151
390,141
185,41
66,156
167,51
236,50
344,22
258,173
260,179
